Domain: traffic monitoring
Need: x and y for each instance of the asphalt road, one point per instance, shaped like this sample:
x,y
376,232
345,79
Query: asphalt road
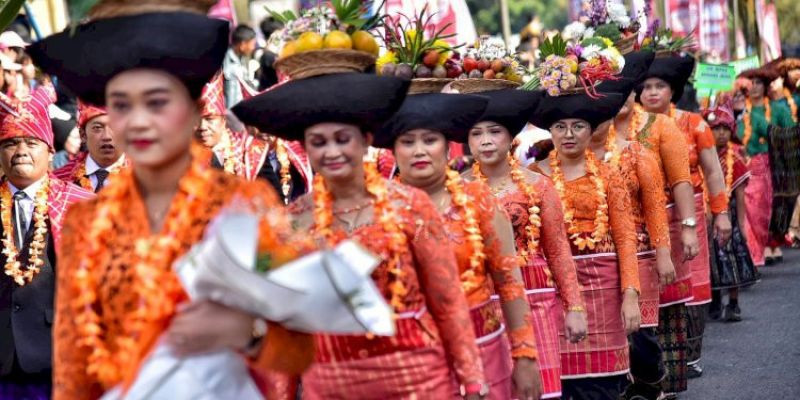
x,y
758,358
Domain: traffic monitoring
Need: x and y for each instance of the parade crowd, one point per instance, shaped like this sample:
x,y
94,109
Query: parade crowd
x,y
582,265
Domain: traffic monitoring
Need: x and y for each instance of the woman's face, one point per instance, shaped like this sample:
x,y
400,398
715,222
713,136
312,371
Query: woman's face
x,y
656,95
421,156
571,136
758,90
489,142
722,135
153,115
739,101
336,150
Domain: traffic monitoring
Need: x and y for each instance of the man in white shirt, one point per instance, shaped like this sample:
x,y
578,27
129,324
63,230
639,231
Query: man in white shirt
x,y
102,158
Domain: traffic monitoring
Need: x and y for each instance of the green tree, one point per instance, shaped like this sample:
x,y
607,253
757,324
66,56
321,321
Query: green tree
x,y
788,20
486,14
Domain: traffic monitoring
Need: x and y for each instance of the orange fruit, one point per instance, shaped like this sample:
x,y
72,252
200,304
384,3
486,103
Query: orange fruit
x,y
308,41
338,40
364,41
288,49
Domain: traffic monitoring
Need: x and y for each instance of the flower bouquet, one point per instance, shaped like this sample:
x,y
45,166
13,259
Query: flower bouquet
x,y
609,20
664,42
571,68
327,291
328,38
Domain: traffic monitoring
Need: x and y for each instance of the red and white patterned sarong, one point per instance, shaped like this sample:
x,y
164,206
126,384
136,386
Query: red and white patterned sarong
x,y
701,265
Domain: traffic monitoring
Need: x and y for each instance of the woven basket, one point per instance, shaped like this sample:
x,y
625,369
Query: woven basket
x,y
466,86
323,62
664,53
119,8
579,89
626,45
428,85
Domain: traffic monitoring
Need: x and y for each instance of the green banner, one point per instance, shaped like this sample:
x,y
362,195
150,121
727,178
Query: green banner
x,y
714,76
745,64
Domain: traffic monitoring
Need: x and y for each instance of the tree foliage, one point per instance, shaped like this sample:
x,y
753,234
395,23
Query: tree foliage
x,y
486,14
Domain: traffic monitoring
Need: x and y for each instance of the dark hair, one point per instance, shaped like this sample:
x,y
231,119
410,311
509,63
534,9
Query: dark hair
x,y
269,25
241,34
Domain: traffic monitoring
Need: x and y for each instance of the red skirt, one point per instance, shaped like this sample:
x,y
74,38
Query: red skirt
x,y
701,265
650,290
679,291
758,202
494,349
545,311
605,350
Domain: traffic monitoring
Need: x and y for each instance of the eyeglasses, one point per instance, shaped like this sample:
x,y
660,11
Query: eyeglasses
x,y
561,128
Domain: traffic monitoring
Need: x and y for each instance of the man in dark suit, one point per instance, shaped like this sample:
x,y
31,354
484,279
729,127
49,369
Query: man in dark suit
x,y
32,205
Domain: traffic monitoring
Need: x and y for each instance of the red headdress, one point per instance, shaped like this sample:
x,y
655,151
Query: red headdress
x,y
213,98
721,115
28,117
87,112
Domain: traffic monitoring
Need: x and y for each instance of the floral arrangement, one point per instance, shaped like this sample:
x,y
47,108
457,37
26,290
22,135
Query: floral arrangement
x,y
664,40
607,19
415,49
567,67
340,24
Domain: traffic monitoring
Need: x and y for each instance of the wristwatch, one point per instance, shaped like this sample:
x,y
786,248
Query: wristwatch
x,y
689,222
481,389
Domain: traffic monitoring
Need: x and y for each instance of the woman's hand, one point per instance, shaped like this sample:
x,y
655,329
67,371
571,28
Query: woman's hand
x,y
631,317
664,267
527,382
206,327
722,228
576,326
691,246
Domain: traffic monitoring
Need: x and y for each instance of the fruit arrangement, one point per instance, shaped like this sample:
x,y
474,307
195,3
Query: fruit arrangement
x,y
340,24
415,50
489,59
566,68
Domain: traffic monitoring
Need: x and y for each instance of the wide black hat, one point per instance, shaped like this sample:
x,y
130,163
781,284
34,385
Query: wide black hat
x,y
451,114
581,106
675,70
188,45
511,108
365,100
636,66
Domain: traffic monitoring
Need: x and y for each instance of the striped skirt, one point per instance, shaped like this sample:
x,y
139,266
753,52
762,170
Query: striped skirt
x,y
701,265
546,314
604,352
650,290
672,335
680,290
494,349
758,200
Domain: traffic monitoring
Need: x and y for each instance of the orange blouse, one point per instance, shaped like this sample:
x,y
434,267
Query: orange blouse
x,y
698,138
641,175
500,260
429,274
117,294
581,194
553,241
661,136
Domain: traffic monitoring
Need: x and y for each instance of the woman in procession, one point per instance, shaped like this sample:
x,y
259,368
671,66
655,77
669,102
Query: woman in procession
x,y
479,230
337,117
602,235
117,293
537,218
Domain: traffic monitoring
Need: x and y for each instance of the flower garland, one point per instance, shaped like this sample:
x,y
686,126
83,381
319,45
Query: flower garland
x,y
13,267
283,159
83,180
155,285
612,155
385,217
232,163
729,159
454,185
533,228
787,94
748,127
601,214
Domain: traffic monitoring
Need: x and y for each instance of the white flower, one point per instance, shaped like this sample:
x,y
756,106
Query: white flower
x,y
574,31
618,15
613,55
588,33
591,51
624,22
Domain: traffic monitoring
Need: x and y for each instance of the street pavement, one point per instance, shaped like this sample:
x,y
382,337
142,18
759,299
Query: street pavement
x,y
758,358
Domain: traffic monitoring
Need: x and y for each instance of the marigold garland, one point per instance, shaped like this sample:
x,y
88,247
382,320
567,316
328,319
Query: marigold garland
x,y
729,160
748,127
13,267
533,228
283,159
155,285
232,162
454,185
601,214
787,94
384,216
613,156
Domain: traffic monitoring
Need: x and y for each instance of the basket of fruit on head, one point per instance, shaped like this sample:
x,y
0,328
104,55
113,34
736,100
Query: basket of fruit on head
x,y
609,20
578,67
418,51
329,38
488,66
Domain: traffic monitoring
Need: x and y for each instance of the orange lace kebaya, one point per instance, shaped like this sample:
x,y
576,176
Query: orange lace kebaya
x,y
660,135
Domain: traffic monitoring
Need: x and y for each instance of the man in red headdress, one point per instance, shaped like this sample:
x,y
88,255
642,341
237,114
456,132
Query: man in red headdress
x,y
213,131
102,157
32,207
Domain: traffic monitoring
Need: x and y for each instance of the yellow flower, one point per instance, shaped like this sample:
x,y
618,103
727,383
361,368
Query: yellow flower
x,y
607,41
386,58
440,44
411,35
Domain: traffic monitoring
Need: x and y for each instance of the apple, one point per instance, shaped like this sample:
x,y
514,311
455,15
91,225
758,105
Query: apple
x,y
430,58
483,65
470,64
498,66
488,74
454,72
